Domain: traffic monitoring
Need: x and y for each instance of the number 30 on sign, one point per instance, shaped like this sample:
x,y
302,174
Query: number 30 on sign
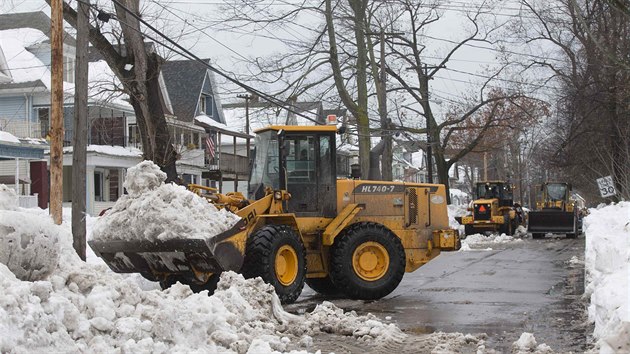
x,y
606,186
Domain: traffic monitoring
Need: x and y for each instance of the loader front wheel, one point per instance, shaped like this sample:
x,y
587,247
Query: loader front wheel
x,y
276,254
367,261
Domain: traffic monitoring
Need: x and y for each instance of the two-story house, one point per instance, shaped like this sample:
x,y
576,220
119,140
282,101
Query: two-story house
x,y
113,139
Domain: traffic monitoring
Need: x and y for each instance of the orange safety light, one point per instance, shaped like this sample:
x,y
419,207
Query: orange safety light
x,y
331,119
482,209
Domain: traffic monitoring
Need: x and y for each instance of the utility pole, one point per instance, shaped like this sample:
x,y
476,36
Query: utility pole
x,y
386,159
79,138
246,97
56,110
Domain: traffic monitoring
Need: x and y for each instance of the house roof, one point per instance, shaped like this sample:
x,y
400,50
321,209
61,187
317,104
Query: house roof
x,y
184,81
37,20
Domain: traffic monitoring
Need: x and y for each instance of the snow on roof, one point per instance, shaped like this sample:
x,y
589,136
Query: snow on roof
x,y
8,137
110,150
23,65
202,118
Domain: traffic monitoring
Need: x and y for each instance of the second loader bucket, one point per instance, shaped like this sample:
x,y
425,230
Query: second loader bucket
x,y
551,221
213,255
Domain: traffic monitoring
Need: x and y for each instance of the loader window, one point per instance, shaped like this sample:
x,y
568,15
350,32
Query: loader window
x,y
266,165
556,191
300,159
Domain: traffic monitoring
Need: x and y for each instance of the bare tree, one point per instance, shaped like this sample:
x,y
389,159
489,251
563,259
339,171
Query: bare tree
x,y
137,66
587,56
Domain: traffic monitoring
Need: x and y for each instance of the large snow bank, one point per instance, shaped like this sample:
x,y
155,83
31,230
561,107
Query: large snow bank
x,y
28,247
156,211
607,264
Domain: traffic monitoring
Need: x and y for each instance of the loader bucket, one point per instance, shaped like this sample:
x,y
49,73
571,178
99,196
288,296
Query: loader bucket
x,y
551,221
172,256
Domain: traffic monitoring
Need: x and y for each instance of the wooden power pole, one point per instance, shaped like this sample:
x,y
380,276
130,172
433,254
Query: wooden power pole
x,y
56,110
79,138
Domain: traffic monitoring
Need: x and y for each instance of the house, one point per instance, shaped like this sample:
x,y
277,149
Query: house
x,y
200,128
113,138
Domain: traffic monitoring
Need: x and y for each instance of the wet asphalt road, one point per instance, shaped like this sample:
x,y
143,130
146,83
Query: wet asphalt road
x,y
528,286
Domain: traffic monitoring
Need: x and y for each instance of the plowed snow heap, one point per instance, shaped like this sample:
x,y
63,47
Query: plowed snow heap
x,y
154,210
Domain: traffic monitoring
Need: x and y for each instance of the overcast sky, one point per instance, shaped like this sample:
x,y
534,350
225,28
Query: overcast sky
x,y
467,65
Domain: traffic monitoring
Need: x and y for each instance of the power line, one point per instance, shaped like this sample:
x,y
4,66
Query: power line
x,y
212,68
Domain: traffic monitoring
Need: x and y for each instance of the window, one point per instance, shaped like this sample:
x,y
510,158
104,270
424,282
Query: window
x,y
206,105
43,116
202,104
68,69
98,186
134,135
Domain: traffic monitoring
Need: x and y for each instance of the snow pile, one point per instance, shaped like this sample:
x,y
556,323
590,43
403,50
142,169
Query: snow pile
x,y
331,319
156,211
28,247
527,344
479,241
607,264
456,211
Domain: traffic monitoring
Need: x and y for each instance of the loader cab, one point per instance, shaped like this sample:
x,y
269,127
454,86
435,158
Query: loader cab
x,y
499,190
301,160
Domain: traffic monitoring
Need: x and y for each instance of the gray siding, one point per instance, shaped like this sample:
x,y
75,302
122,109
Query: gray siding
x,y
13,108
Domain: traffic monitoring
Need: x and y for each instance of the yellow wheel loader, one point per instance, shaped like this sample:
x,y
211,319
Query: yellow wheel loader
x,y
493,210
302,224
555,213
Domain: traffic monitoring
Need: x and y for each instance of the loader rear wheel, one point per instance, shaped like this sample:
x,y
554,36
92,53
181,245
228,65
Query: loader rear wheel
x,y
367,261
538,235
323,286
276,254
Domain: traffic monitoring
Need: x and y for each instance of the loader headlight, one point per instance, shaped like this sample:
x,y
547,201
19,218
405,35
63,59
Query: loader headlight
x,y
277,195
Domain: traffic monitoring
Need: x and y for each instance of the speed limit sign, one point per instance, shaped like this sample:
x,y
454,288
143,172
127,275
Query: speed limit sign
x,y
606,186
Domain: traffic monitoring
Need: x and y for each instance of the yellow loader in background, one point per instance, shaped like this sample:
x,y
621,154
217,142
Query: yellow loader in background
x,y
302,224
493,210
556,212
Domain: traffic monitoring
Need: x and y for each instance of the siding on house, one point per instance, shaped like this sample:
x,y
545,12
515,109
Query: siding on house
x,y
13,108
7,168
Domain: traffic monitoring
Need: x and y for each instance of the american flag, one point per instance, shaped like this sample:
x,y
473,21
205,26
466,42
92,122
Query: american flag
x,y
210,146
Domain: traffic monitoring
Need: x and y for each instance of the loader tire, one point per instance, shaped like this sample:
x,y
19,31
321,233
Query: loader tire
x,y
538,235
323,286
276,254
367,261
469,230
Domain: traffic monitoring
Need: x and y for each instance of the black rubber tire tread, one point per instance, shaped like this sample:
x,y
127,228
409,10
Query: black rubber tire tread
x,y
469,230
323,286
538,235
342,274
260,252
572,235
